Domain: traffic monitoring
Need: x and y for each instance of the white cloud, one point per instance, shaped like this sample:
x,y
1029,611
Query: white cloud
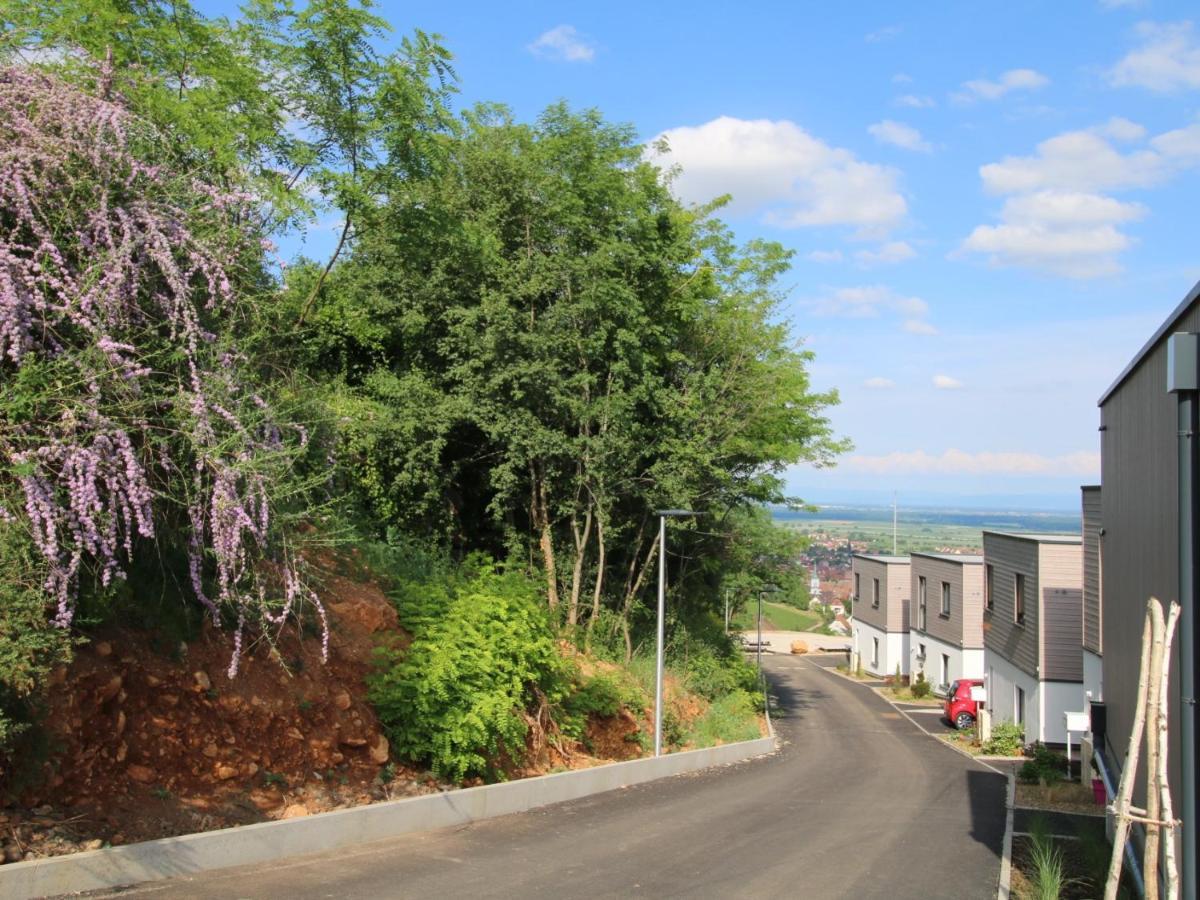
x,y
946,383
780,171
1115,4
899,135
825,256
881,35
901,78
879,384
891,252
1012,80
957,462
1057,218
872,302
919,326
915,101
563,43
1168,59
868,302
1121,129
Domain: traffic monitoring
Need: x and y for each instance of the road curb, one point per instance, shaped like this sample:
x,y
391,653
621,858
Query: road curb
x,y
268,841
1005,887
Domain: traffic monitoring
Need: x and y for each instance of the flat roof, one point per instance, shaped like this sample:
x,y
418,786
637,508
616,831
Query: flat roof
x,y
1163,329
883,558
1039,537
964,558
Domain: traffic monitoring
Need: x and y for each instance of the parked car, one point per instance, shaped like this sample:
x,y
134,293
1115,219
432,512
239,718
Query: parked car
x,y
960,709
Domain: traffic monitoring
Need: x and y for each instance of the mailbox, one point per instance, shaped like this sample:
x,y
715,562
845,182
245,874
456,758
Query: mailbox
x,y
1076,721
979,693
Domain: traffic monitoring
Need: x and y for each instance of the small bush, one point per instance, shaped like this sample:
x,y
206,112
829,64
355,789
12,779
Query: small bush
x,y
455,698
601,695
1049,879
920,687
1044,766
1006,740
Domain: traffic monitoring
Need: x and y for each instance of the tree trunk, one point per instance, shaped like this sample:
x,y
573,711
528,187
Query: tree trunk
x,y
541,524
599,587
632,593
1153,795
581,545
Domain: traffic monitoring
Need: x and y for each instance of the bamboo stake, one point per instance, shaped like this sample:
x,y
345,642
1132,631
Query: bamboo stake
x,y
1164,784
1150,855
1125,791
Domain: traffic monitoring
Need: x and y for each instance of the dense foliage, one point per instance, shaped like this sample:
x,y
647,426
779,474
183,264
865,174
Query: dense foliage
x,y
456,697
520,345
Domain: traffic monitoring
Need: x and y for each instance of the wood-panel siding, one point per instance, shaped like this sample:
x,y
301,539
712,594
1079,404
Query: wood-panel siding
x,y
1091,570
1139,549
1009,556
964,626
892,612
1062,652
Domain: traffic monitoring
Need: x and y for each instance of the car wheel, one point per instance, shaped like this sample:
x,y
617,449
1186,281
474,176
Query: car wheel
x,y
963,721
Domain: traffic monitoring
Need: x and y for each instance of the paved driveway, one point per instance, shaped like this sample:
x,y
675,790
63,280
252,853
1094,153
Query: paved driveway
x,y
858,803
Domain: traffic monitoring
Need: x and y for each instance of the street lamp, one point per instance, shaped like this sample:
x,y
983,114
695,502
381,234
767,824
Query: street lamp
x,y
769,589
663,515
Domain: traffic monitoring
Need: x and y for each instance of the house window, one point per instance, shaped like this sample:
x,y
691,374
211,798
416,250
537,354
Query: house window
x,y
875,592
857,592
1019,706
875,652
989,597
945,669
921,598
946,599
1019,599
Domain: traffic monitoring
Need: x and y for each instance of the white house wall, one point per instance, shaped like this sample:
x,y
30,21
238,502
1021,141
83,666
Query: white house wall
x,y
1002,680
1093,674
864,635
1059,697
962,663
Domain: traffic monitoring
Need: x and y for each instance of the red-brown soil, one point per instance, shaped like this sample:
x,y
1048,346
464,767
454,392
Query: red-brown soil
x,y
148,742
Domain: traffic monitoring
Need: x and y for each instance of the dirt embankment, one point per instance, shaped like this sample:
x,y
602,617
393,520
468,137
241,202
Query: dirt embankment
x,y
146,740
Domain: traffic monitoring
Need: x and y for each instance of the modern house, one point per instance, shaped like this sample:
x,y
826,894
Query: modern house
x,y
1093,612
880,628
1032,623
1142,502
946,632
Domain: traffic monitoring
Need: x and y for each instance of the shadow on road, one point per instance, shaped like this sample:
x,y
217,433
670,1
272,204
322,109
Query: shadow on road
x,y
789,701
986,791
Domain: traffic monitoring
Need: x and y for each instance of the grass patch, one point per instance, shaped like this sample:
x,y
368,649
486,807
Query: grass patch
x,y
778,616
727,720
1049,867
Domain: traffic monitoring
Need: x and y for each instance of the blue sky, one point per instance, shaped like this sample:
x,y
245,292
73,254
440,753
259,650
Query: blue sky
x,y
990,204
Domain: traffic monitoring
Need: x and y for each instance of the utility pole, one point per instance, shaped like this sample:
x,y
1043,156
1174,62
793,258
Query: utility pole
x,y
663,515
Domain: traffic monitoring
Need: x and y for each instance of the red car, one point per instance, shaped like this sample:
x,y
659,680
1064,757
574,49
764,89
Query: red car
x,y
960,708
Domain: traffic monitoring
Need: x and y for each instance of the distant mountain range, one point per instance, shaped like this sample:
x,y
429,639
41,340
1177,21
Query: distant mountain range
x,y
1059,502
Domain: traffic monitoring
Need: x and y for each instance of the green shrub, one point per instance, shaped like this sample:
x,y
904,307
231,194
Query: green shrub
x,y
1007,738
30,646
603,694
1043,767
920,687
455,698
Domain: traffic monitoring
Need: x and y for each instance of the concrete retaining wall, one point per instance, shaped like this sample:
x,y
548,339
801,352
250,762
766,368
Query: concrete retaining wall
x,y
267,841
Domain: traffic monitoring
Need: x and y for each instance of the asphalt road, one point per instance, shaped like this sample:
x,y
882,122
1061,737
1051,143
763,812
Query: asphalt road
x,y
857,803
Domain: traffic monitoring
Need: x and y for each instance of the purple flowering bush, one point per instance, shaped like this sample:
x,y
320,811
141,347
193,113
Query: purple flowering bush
x,y
128,416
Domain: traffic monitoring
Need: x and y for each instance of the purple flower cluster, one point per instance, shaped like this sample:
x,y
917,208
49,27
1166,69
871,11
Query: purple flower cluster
x,y
104,278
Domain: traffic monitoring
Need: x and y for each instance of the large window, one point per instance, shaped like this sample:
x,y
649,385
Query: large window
x,y
875,592
989,595
1019,599
946,598
921,601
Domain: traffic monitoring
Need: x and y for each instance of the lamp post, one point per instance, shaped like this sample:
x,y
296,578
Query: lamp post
x,y
769,589
663,515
